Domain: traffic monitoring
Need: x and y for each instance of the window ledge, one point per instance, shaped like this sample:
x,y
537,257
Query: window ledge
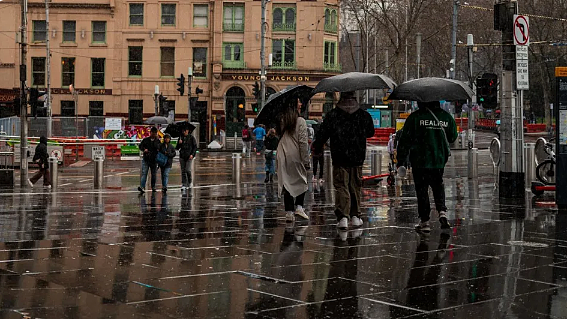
x,y
68,44
98,45
38,44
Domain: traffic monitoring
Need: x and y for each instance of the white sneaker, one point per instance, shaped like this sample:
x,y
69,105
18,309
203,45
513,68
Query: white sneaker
x,y
343,235
321,181
183,188
300,211
356,221
30,183
343,223
289,217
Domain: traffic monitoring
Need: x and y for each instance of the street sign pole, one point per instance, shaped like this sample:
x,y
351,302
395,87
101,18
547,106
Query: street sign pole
x,y
561,137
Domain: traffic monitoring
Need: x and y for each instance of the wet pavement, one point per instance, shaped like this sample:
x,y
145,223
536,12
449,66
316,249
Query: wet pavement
x,y
225,251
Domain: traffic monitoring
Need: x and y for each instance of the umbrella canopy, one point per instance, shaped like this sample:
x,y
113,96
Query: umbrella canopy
x,y
354,81
176,128
432,89
158,120
277,103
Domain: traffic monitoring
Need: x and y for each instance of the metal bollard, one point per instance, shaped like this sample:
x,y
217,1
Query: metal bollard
x,y
235,141
375,162
473,163
53,174
329,166
236,167
529,163
98,172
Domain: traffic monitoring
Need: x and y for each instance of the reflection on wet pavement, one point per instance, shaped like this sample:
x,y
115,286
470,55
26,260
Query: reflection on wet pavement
x,y
225,251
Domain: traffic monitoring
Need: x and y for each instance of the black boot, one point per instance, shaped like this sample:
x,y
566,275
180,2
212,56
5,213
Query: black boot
x,y
267,177
271,178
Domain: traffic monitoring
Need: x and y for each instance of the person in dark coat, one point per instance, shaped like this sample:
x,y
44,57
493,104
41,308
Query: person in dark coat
x,y
271,144
168,150
187,146
149,147
318,161
348,127
40,158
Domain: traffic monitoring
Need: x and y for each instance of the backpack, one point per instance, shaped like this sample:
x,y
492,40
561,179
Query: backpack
x,y
245,134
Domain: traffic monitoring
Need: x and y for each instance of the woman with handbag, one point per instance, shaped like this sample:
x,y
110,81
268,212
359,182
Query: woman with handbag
x,y
271,144
166,153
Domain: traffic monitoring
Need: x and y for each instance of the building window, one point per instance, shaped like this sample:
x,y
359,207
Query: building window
x,y
331,20
135,61
39,30
233,18
97,69
284,19
283,52
168,14
135,112
99,31
330,60
68,71
67,108
233,56
201,15
167,61
200,62
136,14
69,31
96,108
38,72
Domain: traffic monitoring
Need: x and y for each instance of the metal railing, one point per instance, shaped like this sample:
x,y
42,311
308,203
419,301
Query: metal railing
x,y
234,65
284,65
332,67
233,27
331,28
283,27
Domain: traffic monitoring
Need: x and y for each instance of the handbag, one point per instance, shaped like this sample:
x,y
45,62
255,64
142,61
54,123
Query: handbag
x,y
161,159
442,130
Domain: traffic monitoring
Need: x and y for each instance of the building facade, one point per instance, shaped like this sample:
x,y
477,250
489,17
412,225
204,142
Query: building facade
x,y
115,52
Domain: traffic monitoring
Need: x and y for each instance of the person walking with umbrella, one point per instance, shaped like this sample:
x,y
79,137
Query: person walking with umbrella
x,y
149,146
41,157
168,151
187,146
348,127
293,162
425,138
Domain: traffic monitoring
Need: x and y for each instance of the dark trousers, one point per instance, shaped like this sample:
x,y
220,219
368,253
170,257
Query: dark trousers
x,y
318,161
289,201
348,188
42,172
423,179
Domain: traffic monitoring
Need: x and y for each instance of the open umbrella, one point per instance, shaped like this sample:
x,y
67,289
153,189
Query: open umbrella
x,y
432,89
354,81
277,103
158,120
175,129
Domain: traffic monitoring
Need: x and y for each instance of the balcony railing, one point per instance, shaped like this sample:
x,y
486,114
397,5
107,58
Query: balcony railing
x,y
283,27
233,27
332,67
234,65
284,65
331,28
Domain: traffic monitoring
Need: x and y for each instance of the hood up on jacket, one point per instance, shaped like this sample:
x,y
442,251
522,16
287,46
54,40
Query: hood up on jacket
x,y
43,140
348,103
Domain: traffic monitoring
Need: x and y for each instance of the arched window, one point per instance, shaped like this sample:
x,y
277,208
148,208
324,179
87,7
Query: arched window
x,y
289,16
327,16
278,16
235,110
334,18
228,52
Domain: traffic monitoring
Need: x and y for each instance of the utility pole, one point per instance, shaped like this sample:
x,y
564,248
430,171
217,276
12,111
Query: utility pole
x,y
48,71
454,39
263,57
470,46
375,64
418,48
156,99
23,97
358,40
189,79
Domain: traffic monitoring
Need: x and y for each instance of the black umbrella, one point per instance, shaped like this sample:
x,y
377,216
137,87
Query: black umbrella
x,y
175,129
354,81
277,103
432,89
158,120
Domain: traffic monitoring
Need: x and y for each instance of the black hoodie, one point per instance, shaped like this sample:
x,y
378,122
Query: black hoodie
x,y
41,152
348,127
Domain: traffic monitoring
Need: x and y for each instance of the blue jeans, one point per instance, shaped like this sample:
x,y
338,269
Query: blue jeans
x,y
270,167
164,176
152,167
259,145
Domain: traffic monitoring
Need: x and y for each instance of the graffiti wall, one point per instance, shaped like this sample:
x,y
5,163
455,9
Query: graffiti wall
x,y
128,132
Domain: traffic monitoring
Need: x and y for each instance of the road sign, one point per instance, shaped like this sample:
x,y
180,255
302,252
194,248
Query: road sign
x,y
521,30
522,68
98,151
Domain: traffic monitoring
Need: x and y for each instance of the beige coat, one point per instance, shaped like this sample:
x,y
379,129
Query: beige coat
x,y
292,158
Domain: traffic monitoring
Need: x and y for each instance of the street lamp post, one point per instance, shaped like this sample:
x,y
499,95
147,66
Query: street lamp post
x,y
470,47
189,79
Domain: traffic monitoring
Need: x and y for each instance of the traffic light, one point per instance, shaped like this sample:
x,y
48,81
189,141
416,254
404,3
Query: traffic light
x,y
487,90
255,108
198,91
164,109
35,102
181,84
256,90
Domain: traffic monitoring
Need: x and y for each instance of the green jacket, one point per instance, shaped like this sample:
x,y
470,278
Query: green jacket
x,y
423,140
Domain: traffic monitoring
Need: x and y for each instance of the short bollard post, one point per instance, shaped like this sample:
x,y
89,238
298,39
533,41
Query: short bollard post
x,y
329,166
236,167
530,164
473,163
53,174
98,172
375,162
235,141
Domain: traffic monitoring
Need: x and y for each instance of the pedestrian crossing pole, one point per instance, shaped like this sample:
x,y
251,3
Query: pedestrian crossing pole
x,y
263,57
23,97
